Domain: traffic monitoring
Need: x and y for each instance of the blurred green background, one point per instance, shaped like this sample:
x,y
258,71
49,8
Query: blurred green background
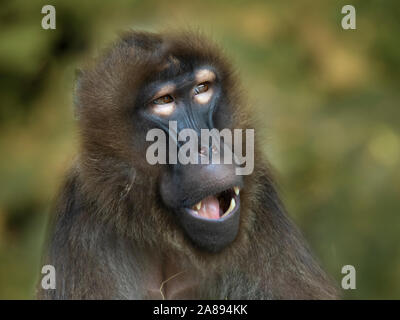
x,y
328,99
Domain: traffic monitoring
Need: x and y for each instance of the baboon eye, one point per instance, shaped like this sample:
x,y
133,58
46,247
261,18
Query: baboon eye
x,y
203,92
163,106
202,87
164,99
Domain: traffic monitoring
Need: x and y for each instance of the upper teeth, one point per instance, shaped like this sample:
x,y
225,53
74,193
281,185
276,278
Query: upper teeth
x,y
197,206
231,207
236,189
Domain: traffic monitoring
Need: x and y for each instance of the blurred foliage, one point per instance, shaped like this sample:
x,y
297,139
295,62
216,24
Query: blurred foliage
x,y
328,99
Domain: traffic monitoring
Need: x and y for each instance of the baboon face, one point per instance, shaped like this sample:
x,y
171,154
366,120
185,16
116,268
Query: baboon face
x,y
182,80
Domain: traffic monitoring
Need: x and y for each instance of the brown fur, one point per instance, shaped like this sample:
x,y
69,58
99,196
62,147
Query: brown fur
x,y
111,235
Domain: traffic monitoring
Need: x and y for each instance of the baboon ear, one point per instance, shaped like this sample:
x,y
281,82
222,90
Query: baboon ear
x,y
78,78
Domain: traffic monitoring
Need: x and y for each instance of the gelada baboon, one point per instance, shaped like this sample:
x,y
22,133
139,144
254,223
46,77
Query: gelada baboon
x,y
127,229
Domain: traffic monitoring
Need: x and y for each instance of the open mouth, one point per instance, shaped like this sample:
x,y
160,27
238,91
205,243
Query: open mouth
x,y
218,206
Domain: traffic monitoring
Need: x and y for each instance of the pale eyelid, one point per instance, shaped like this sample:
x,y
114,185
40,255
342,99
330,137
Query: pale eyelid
x,y
163,109
204,75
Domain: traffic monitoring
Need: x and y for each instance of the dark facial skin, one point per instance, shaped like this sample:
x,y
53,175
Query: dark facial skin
x,y
192,96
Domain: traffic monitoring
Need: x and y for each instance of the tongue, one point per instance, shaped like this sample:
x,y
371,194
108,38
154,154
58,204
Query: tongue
x,y
209,208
